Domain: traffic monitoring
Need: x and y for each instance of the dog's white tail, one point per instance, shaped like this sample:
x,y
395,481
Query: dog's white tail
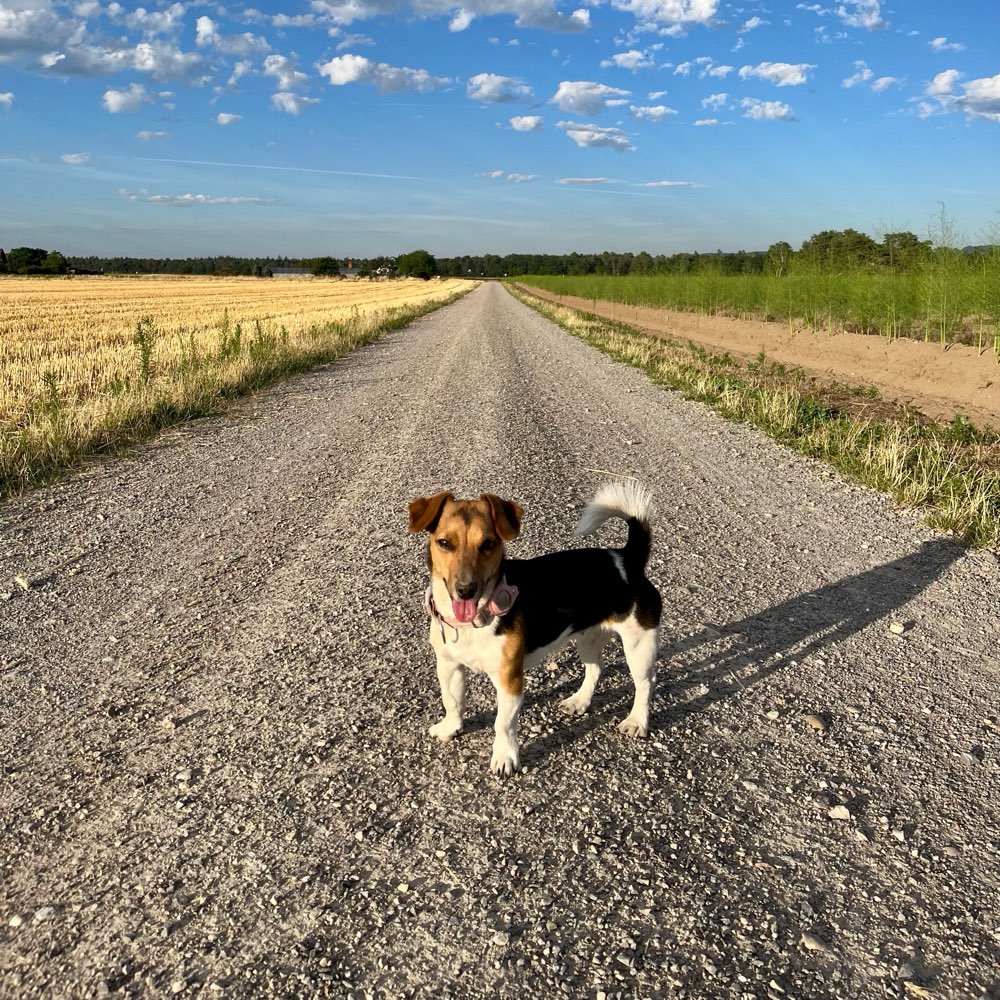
x,y
624,498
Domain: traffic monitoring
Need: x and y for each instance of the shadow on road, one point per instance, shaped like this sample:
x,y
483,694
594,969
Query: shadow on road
x,y
719,660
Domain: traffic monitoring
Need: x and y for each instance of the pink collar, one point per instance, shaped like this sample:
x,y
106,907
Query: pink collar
x,y
500,601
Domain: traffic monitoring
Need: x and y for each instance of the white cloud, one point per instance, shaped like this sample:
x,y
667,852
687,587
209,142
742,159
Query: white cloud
x,y
708,121
7,99
187,200
285,72
752,23
584,181
862,14
118,101
526,123
225,118
981,98
522,178
772,111
633,60
166,21
669,184
943,45
943,84
674,12
493,175
651,113
584,98
495,89
461,20
146,135
655,95
861,74
596,137
75,158
883,83
780,74
207,36
715,101
291,104
387,79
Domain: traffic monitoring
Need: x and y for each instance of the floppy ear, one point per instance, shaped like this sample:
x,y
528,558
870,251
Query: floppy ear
x,y
425,511
506,516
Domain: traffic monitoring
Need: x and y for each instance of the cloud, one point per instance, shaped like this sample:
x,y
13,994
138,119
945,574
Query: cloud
x,y
861,74
708,122
780,74
492,174
884,83
981,98
526,123
522,178
584,98
291,104
633,60
862,14
674,12
495,89
943,45
461,20
161,22
119,101
669,184
146,135
225,118
188,200
943,84
752,24
651,113
159,60
7,99
386,79
584,181
75,158
715,101
772,111
207,36
285,72
596,137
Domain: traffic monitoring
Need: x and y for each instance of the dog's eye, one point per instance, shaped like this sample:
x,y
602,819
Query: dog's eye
x,y
488,546
443,543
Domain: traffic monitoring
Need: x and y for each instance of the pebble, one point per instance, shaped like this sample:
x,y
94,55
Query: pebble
x,y
818,723
15,921
897,628
44,913
840,812
812,942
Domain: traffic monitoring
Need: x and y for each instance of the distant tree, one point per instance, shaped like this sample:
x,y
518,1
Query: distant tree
x,y
26,260
904,251
324,266
779,256
417,264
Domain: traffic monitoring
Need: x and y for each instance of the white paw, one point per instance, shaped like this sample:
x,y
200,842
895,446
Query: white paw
x,y
574,705
636,728
445,730
505,761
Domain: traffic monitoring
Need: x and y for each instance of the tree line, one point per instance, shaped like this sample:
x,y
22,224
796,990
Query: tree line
x,y
830,251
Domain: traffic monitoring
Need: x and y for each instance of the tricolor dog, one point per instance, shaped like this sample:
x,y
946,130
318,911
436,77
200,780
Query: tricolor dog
x,y
501,616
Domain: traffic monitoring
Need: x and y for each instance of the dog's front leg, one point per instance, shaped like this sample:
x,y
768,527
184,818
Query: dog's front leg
x,y
510,694
451,676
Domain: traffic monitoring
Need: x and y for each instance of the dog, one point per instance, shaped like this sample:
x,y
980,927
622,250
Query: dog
x,y
501,616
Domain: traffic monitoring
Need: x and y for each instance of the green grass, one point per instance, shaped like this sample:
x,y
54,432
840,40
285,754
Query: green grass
x,y
951,472
949,301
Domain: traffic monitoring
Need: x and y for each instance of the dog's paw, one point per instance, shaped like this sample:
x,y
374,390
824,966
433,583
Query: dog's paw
x,y
445,730
636,728
505,762
574,705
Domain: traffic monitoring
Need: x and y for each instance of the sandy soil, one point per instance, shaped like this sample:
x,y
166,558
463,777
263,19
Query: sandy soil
x,y
938,382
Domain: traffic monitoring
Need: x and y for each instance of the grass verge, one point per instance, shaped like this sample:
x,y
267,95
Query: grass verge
x,y
56,434
951,472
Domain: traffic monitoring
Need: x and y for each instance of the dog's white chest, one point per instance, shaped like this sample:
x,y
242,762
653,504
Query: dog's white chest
x,y
476,649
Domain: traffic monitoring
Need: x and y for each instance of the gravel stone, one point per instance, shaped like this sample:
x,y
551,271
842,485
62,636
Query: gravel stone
x,y
266,599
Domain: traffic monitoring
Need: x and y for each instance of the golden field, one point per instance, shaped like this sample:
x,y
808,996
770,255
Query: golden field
x,y
87,363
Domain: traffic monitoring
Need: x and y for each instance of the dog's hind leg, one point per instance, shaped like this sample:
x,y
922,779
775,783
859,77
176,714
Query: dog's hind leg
x,y
641,646
590,646
452,679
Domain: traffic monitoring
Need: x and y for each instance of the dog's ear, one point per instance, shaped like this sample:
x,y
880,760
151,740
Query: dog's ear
x,y
425,511
506,516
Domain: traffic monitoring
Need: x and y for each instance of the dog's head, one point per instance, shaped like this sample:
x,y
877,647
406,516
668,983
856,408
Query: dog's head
x,y
466,543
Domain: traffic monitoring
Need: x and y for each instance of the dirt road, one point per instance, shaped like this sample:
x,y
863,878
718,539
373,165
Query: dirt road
x,y
215,688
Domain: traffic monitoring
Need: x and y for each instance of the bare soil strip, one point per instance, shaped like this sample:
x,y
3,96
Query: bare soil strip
x,y
215,688
937,381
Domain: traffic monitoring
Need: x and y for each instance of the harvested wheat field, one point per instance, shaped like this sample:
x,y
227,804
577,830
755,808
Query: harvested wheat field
x,y
87,364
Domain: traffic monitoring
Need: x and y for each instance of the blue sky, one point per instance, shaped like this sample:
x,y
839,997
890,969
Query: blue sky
x,y
378,126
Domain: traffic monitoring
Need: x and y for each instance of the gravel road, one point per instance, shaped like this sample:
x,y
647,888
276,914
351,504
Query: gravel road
x,y
215,688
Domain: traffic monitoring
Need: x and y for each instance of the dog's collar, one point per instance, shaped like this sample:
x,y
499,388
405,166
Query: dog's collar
x,y
500,601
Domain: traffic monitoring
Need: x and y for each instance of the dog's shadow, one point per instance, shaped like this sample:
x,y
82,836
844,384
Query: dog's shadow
x,y
720,660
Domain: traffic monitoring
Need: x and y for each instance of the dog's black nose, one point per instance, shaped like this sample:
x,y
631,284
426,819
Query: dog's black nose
x,y
466,591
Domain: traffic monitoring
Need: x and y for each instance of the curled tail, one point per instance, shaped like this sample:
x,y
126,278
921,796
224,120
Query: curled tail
x,y
632,502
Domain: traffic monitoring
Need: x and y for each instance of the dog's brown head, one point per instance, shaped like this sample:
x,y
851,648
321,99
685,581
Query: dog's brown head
x,y
466,544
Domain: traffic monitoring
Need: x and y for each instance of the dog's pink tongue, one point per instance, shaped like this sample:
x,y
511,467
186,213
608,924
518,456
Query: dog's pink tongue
x,y
464,611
